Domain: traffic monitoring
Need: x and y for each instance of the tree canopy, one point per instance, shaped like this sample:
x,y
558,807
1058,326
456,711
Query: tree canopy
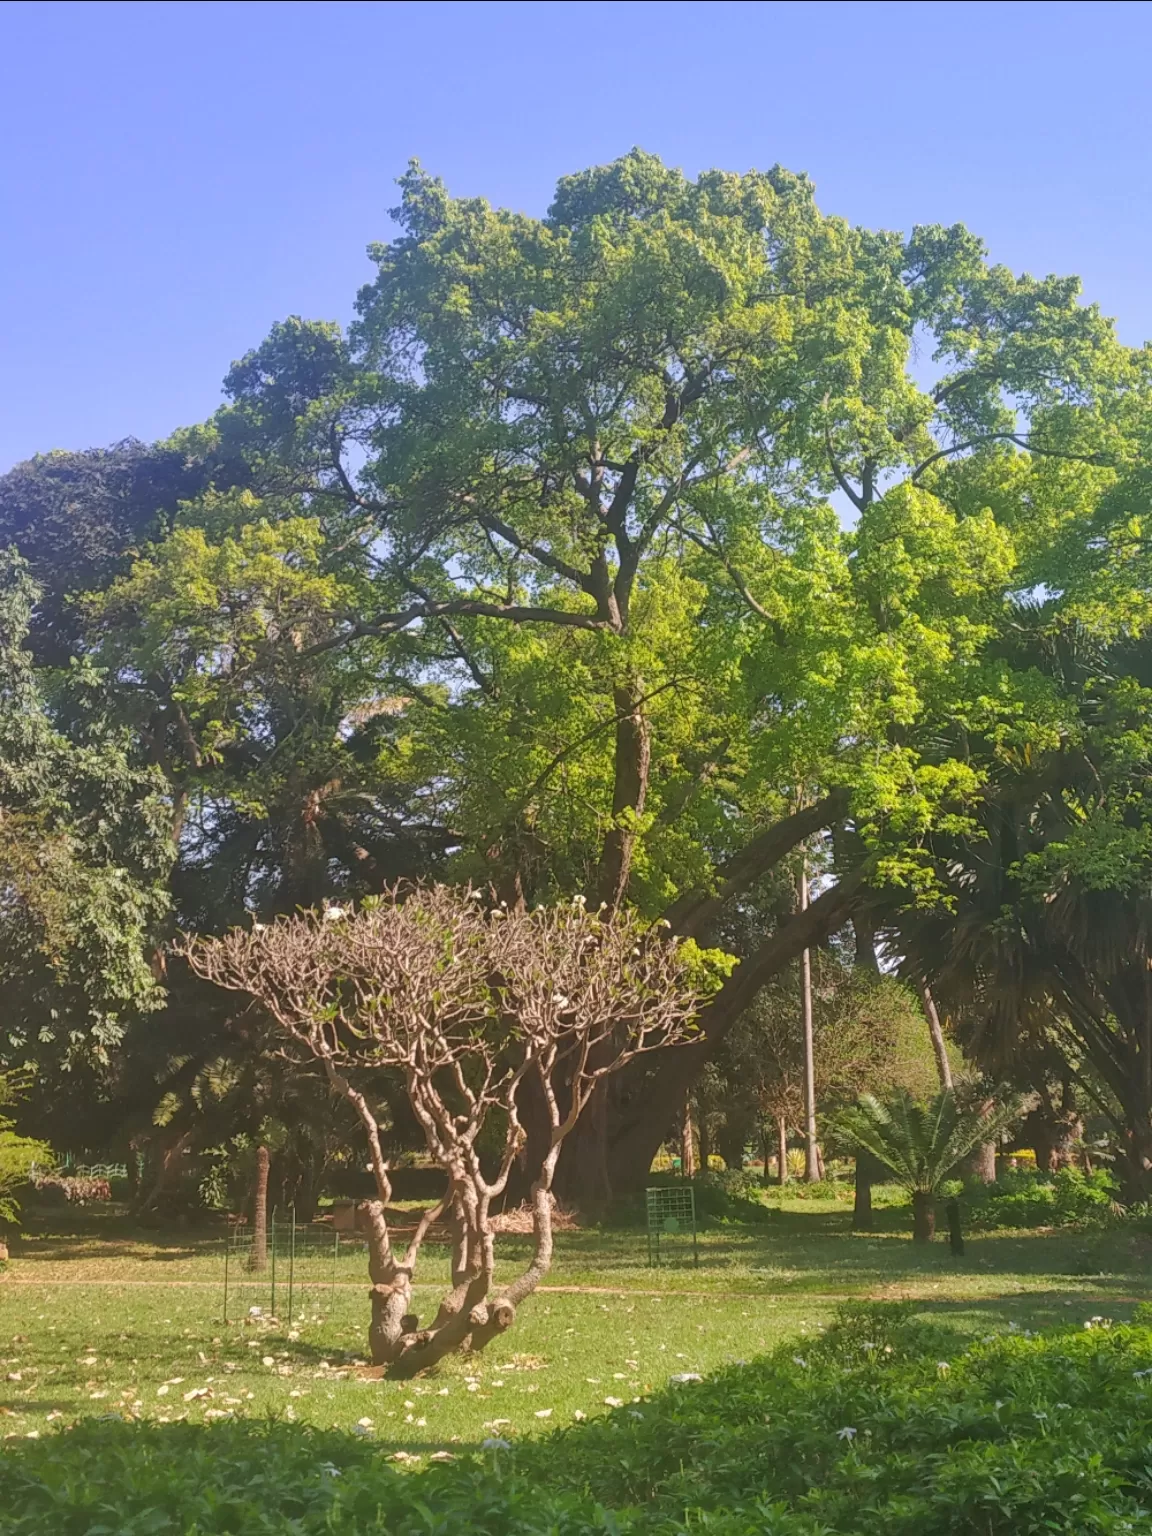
x,y
626,552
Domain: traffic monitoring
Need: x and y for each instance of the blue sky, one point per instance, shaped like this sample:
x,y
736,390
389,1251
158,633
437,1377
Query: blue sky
x,y
175,177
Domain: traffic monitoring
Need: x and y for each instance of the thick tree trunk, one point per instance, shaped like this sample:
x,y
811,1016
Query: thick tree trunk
x,y
629,792
1055,1125
781,1150
923,1216
258,1257
939,1046
983,1162
3,1251
662,1081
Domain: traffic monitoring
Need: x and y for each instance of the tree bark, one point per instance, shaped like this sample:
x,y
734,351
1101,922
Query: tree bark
x,y
983,1162
629,792
939,1046
864,930
781,1150
647,1120
811,1150
687,1147
923,1216
693,912
258,1258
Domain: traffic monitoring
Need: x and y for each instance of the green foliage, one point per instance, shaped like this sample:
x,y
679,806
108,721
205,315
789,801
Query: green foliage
x,y
1070,1197
881,1428
18,1156
921,1144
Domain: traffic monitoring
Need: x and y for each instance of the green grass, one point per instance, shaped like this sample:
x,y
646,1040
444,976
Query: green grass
x,y
99,1320
884,1426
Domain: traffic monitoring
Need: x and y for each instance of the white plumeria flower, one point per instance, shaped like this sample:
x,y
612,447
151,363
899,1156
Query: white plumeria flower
x,y
543,1413
943,1367
614,1402
847,1433
579,1414
333,914
683,1377
495,1443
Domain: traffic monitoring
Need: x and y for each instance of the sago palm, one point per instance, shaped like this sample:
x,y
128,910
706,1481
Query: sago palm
x,y
921,1144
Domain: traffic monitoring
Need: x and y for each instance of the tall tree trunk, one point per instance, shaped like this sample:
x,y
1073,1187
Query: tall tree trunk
x,y
923,1216
983,1162
765,1153
258,1258
939,1046
629,792
781,1150
811,1150
687,1144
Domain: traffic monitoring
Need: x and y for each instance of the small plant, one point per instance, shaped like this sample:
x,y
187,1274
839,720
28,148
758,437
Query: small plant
x,y
922,1144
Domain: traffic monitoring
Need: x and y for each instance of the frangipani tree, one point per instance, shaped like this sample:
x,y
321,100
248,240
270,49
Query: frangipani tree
x,y
922,1144
470,1005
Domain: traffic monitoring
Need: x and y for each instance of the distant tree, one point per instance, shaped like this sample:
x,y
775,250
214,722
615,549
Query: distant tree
x,y
85,857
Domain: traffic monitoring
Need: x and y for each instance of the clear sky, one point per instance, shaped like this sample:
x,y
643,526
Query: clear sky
x,y
175,177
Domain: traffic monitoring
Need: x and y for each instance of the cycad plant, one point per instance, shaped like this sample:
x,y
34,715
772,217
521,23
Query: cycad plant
x,y
922,1144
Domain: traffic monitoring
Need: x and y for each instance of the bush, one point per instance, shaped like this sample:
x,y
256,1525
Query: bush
x,y
732,1194
884,1427
69,1189
1067,1198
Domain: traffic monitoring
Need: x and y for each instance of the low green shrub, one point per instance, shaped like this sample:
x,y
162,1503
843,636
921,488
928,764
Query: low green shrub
x,y
1067,1198
882,1427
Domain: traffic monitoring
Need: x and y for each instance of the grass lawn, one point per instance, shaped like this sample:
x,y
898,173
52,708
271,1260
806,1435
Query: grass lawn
x,y
98,1320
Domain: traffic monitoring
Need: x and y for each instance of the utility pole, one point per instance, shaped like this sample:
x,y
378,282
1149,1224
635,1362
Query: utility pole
x,y
811,1148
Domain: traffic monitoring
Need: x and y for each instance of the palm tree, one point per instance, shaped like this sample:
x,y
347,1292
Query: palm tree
x,y
921,1144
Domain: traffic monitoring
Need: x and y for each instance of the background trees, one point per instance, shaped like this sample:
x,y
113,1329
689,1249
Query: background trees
x,y
534,579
